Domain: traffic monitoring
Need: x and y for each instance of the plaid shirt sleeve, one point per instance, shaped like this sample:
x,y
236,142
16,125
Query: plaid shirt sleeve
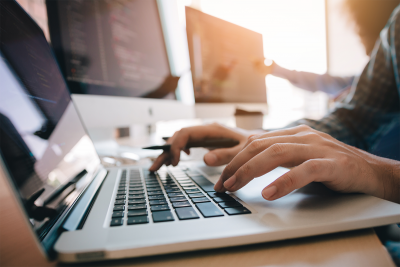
x,y
374,103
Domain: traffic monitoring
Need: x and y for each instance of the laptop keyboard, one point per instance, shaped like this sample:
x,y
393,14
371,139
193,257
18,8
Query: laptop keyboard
x,y
155,196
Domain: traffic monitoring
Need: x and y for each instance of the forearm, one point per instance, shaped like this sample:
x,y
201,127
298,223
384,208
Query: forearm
x,y
313,82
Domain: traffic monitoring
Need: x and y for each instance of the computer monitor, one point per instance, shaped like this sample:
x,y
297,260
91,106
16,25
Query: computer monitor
x,y
222,55
110,50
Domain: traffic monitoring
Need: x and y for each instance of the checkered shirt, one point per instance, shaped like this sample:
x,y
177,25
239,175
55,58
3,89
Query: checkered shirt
x,y
373,105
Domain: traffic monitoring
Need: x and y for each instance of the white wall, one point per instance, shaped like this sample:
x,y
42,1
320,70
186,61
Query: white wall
x,y
346,52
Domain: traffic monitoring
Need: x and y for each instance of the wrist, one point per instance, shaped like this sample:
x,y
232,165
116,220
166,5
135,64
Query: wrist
x,y
387,179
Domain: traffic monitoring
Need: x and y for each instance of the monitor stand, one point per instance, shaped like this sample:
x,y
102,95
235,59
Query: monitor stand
x,y
225,110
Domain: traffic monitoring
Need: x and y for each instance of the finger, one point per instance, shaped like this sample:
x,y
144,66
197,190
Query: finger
x,y
178,142
310,171
282,132
159,162
274,156
187,151
221,156
253,149
197,133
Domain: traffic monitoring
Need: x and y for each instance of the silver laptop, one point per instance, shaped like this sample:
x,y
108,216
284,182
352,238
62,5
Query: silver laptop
x,y
81,211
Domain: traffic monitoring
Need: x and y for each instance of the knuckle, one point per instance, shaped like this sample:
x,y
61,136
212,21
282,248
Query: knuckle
x,y
278,150
346,162
289,181
304,127
314,166
244,171
256,145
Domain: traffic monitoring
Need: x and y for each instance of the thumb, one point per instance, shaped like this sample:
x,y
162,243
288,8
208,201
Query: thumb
x,y
221,156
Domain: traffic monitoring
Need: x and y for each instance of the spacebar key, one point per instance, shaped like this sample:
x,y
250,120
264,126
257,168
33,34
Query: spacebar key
x,y
203,182
209,209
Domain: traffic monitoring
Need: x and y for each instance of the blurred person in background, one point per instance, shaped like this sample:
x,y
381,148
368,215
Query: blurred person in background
x,y
368,17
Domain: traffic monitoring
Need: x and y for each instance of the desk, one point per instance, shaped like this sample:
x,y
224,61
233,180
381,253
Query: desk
x,y
356,248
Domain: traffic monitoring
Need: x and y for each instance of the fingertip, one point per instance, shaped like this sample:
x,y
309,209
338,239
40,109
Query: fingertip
x,y
269,192
210,159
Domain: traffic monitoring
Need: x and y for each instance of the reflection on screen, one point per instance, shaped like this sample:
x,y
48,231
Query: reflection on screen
x,y
110,47
221,57
42,141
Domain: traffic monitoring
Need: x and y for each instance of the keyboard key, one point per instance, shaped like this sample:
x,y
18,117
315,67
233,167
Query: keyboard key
x,y
136,198
190,191
121,192
119,202
223,199
200,200
137,201
180,176
177,199
138,220
189,187
140,212
208,209
196,195
153,189
122,188
159,207
158,202
136,206
181,204
188,183
138,188
162,216
158,197
229,204
131,191
119,207
154,193
176,195
202,181
153,186
131,196
118,214
216,194
168,187
193,173
186,213
120,197
237,210
135,185
175,190
117,222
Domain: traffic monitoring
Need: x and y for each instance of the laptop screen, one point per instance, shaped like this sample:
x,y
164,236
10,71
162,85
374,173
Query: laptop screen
x,y
43,144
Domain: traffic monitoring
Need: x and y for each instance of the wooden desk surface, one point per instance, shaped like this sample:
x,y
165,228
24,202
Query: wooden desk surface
x,y
356,248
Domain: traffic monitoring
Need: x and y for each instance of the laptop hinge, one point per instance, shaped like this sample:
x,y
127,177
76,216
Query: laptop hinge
x,y
80,210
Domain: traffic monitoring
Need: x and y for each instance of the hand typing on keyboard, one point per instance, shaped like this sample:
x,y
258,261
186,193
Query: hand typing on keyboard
x,y
315,156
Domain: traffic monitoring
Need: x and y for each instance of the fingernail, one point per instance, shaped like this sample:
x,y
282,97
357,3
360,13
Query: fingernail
x,y
230,182
269,192
210,158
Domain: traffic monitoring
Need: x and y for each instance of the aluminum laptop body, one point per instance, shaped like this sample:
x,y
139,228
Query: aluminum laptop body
x,y
74,205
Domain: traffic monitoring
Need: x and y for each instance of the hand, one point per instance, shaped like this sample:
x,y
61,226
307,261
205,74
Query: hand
x,y
316,157
263,69
198,133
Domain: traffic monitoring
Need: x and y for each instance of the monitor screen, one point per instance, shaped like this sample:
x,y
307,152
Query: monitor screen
x,y
43,144
111,47
222,55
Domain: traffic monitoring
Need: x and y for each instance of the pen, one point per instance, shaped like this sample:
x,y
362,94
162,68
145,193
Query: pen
x,y
220,143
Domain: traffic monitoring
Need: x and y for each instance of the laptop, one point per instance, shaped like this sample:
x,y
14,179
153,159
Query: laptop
x,y
81,211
